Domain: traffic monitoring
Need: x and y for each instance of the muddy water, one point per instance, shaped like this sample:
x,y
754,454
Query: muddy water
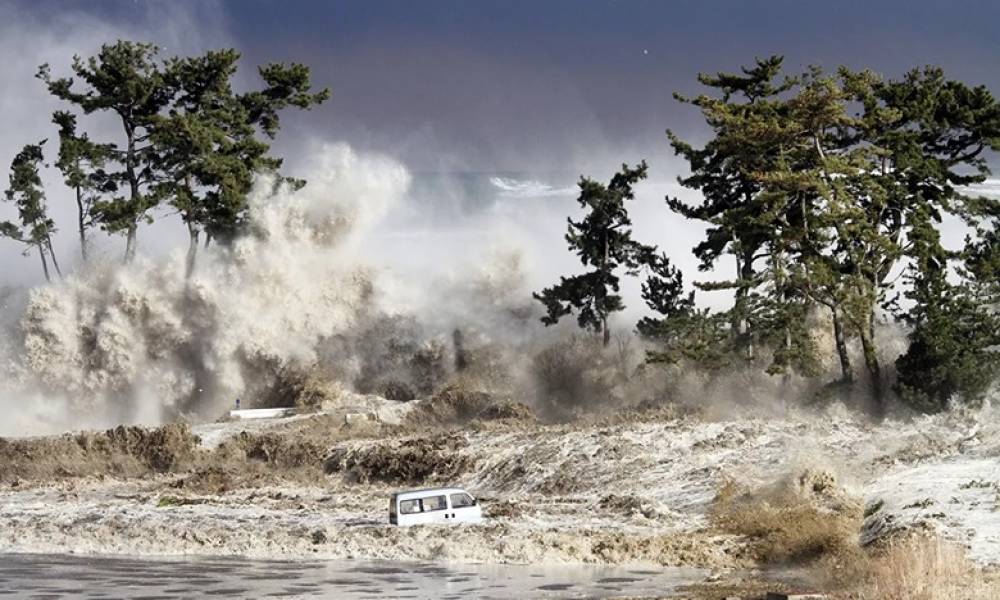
x,y
43,577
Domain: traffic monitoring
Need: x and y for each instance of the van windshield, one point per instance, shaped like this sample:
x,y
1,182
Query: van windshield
x,y
392,506
461,500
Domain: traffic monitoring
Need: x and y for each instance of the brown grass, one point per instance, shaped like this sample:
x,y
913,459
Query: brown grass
x,y
808,521
410,461
458,405
914,568
122,452
925,568
294,453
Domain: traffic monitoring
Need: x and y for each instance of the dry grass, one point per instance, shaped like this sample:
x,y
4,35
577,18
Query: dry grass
x,y
458,405
121,452
410,461
293,453
807,521
926,568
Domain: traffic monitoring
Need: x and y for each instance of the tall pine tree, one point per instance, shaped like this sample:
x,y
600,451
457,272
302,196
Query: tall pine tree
x,y
726,173
603,241
26,193
210,139
82,164
124,80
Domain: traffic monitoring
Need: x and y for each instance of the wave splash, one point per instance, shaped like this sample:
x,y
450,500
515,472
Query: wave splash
x,y
139,343
520,188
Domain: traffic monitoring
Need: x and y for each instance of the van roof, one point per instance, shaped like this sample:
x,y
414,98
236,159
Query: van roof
x,y
406,494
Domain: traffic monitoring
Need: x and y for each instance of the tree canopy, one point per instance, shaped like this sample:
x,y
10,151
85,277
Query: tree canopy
x,y
822,187
823,192
187,137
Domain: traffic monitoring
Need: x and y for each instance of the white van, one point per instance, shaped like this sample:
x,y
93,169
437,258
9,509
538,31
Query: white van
x,y
435,505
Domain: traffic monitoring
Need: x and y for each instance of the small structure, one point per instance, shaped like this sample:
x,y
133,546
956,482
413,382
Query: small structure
x,y
261,413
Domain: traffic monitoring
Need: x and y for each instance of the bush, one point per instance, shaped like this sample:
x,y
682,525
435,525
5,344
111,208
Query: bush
x,y
952,355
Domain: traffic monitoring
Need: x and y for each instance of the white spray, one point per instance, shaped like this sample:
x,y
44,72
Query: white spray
x,y
134,343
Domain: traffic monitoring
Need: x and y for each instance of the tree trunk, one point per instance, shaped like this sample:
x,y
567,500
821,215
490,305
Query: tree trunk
x,y
192,253
52,254
840,337
81,224
874,368
134,197
130,243
604,294
736,324
45,265
744,337
778,262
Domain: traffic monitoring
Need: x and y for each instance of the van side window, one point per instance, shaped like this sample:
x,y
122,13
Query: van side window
x,y
435,503
461,500
408,507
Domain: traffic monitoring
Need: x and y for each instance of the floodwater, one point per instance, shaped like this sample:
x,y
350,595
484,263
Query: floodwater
x,y
48,577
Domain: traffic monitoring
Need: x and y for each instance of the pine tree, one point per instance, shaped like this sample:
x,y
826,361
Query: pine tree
x,y
25,191
725,171
124,80
209,138
188,138
864,184
930,135
603,241
828,229
681,331
817,205
82,164
954,350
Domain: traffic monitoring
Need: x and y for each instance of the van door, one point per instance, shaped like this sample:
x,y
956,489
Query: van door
x,y
464,508
436,509
411,512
